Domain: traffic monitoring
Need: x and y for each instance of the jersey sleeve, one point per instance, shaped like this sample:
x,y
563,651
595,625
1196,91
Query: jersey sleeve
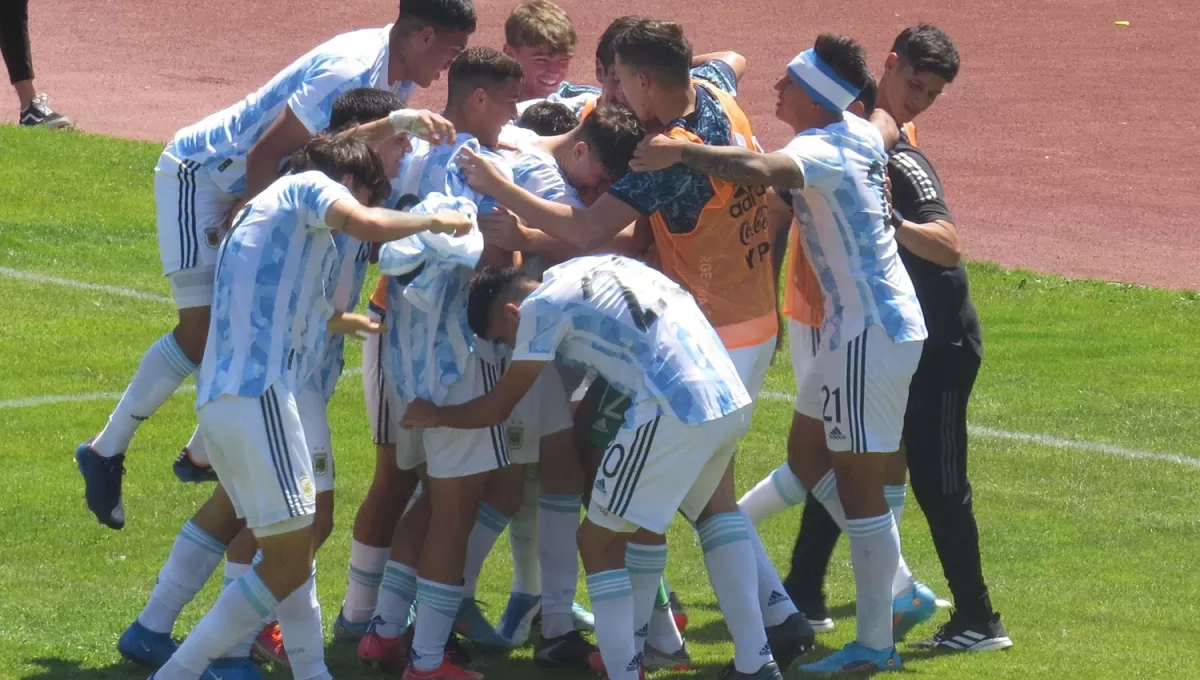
x,y
646,192
542,329
312,102
916,190
315,194
819,160
718,73
541,177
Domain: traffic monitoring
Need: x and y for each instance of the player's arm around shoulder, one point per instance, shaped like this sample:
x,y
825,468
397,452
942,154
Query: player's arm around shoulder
x,y
380,224
730,163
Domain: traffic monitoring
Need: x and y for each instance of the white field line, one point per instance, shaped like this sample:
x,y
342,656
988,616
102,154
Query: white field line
x,y
1026,437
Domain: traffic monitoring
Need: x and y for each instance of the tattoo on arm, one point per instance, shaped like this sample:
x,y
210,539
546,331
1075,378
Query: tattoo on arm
x,y
742,166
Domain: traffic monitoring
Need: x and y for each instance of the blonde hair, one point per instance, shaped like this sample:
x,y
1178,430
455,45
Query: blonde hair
x,y
543,24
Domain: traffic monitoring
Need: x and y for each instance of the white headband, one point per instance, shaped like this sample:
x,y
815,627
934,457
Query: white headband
x,y
828,89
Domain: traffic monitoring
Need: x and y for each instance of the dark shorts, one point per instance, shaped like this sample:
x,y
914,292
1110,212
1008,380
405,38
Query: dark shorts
x,y
603,413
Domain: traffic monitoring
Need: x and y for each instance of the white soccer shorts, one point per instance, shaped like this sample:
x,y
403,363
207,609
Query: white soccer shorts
x,y
314,414
544,410
657,466
805,344
258,449
381,412
860,391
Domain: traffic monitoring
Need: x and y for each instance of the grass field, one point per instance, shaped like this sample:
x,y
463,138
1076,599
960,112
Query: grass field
x,y
1090,550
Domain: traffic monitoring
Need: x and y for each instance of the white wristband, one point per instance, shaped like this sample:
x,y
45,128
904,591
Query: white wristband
x,y
405,120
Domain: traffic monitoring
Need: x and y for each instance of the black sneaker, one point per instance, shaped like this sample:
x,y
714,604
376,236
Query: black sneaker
x,y
102,484
790,639
565,651
769,671
39,114
456,651
817,613
960,634
190,472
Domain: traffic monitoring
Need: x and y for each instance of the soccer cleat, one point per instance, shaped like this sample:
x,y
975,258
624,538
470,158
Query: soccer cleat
x,y
790,639
189,471
102,484
39,114
854,658
961,634
143,646
655,659
348,631
678,611
474,626
583,620
384,653
769,671
911,609
565,651
517,620
232,669
596,664
269,645
446,671
456,652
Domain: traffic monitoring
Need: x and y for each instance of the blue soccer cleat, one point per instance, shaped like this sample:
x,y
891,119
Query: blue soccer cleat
x,y
473,625
232,669
189,471
911,609
855,658
143,646
517,619
102,484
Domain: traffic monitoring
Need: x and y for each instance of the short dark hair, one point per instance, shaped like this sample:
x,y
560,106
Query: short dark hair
x,y
658,49
541,24
613,132
346,154
604,48
868,95
927,48
442,15
360,106
489,284
480,67
846,57
548,118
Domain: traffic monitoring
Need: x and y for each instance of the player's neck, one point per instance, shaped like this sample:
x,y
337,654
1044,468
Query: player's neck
x,y
559,146
460,121
397,68
882,102
671,105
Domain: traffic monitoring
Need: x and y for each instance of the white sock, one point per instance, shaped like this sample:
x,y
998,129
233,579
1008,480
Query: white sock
x,y
826,491
396,598
234,571
664,635
874,552
777,492
194,557
558,553
489,524
729,557
612,603
645,564
196,449
523,541
773,599
300,623
163,369
437,606
896,494
362,585
241,608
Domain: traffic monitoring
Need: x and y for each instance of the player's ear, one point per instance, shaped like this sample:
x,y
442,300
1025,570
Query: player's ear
x,y
508,49
580,150
600,74
858,108
427,35
890,62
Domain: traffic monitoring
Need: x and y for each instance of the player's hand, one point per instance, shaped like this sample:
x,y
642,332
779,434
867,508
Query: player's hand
x,y
228,224
421,413
423,123
355,325
450,222
502,229
655,153
481,175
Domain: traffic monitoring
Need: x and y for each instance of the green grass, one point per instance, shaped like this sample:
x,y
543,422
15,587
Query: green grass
x,y
1091,557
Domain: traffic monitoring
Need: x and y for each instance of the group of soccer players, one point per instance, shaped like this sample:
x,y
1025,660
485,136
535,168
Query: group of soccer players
x,y
576,309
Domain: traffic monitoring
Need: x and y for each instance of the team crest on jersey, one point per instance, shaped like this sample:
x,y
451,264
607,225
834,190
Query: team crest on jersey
x,y
212,236
320,463
516,436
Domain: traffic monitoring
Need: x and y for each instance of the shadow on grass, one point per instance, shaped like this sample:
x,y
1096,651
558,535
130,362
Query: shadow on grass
x,y
65,668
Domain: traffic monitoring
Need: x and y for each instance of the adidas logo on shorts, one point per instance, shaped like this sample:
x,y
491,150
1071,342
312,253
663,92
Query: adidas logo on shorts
x,y
775,598
836,433
600,484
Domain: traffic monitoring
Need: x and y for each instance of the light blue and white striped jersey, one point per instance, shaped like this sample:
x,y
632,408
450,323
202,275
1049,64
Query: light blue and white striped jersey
x,y
307,86
847,238
534,169
344,287
635,327
574,97
270,310
428,335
